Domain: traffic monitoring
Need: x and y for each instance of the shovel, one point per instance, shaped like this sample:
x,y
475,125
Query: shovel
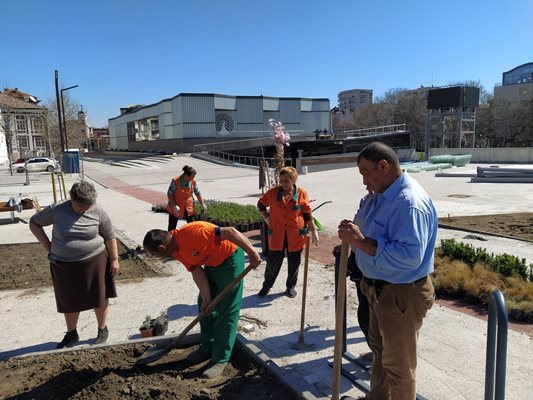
x,y
300,343
154,353
339,320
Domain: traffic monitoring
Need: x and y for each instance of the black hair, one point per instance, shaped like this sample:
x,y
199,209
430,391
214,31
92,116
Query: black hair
x,y
153,239
189,170
377,151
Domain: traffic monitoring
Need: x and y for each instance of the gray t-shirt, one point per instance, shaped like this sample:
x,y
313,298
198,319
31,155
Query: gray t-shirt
x,y
75,236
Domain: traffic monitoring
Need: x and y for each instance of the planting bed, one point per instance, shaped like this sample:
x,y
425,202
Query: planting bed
x,y
109,373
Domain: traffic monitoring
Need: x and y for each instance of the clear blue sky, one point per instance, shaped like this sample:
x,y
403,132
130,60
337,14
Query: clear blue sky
x,y
139,52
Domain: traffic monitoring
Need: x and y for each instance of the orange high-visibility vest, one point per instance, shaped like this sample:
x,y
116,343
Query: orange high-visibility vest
x,y
183,197
286,218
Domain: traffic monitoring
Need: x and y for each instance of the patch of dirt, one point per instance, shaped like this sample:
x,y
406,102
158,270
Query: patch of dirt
x,y
26,266
110,373
519,225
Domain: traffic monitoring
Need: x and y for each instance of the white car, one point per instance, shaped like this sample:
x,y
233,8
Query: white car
x,y
36,164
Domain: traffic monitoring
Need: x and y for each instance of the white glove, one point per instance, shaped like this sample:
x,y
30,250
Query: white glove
x,y
176,211
204,207
314,237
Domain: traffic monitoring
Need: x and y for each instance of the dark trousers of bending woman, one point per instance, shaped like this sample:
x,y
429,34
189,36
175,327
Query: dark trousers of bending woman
x,y
274,261
173,220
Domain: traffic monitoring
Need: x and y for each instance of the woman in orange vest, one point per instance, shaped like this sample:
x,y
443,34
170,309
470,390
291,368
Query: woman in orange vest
x,y
289,221
180,201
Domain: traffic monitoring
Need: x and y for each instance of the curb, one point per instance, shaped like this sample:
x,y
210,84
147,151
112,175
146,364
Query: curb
x,y
296,383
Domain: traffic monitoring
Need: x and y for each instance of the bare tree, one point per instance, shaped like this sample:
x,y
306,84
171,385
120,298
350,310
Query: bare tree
x,y
75,137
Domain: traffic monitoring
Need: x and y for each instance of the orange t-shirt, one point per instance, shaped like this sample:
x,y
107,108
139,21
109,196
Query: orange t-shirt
x,y
200,244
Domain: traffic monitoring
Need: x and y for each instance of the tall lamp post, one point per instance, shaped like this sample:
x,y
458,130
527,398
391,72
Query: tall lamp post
x,y
63,112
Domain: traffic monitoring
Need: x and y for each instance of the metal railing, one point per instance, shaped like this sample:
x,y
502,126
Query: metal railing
x,y
496,364
266,140
242,159
376,130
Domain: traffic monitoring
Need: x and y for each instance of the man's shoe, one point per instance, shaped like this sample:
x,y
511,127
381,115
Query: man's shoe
x,y
263,292
102,336
198,356
214,371
290,292
367,357
70,339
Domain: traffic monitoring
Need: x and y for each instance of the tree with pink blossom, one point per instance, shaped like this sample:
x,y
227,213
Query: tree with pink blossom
x,y
281,139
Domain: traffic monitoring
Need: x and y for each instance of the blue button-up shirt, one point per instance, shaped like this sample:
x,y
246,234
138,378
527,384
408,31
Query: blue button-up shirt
x,y
404,223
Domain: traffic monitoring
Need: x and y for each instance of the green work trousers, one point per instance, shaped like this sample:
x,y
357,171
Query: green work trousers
x,y
218,330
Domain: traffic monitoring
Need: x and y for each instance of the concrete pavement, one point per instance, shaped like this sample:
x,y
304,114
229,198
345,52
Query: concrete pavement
x,y
452,344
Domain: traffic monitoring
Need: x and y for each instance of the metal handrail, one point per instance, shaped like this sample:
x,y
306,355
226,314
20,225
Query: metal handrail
x,y
245,160
496,363
244,142
376,130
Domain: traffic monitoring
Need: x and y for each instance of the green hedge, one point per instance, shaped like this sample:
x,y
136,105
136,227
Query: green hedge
x,y
505,264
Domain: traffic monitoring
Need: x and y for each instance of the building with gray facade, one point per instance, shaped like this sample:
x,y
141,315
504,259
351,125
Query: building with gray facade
x,y
355,99
517,85
178,123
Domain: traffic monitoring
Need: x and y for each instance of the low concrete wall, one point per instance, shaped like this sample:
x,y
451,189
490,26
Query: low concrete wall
x,y
510,155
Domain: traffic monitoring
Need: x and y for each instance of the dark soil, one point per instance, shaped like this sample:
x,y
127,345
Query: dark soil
x,y
110,374
25,266
519,226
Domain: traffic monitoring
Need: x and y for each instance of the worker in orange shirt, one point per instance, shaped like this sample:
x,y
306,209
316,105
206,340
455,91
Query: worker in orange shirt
x,y
215,257
180,200
289,221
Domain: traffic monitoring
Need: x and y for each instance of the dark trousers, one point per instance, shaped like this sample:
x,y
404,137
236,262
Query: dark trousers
x,y
274,261
355,274
173,221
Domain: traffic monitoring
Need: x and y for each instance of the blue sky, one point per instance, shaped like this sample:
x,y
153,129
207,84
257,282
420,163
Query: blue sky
x,y
139,52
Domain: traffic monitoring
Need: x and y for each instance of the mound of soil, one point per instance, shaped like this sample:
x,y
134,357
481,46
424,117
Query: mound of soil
x,y
110,373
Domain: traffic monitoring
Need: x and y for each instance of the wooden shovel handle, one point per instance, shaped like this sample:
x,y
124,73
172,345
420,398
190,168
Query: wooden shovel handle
x,y
213,303
339,319
304,291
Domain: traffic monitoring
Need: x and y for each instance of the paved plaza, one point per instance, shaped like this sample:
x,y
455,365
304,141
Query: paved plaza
x,y
452,344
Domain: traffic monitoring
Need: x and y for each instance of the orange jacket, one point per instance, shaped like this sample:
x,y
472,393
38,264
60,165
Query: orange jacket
x,y
286,217
199,244
182,196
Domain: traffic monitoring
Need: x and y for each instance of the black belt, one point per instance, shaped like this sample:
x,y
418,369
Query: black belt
x,y
379,282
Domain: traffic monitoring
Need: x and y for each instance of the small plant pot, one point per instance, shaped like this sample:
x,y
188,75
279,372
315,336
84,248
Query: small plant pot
x,y
160,330
146,332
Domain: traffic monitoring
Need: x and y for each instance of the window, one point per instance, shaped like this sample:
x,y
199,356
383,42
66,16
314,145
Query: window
x,y
39,142
38,125
21,125
23,142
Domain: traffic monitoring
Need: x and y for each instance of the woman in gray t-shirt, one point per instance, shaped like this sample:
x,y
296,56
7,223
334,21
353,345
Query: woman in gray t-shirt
x,y
83,258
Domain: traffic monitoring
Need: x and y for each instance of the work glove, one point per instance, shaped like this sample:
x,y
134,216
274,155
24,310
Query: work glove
x,y
314,237
176,211
204,207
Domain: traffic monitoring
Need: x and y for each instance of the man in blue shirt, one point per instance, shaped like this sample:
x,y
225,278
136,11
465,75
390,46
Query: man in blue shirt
x,y
393,238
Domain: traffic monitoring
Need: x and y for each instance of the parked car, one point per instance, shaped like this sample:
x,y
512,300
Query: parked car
x,y
36,164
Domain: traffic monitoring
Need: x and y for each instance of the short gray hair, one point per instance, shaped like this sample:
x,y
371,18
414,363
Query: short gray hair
x,y
83,192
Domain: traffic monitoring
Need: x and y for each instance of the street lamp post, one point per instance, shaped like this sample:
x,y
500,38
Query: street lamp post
x,y
63,112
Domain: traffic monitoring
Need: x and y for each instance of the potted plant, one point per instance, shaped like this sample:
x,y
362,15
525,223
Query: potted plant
x,y
160,324
146,329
